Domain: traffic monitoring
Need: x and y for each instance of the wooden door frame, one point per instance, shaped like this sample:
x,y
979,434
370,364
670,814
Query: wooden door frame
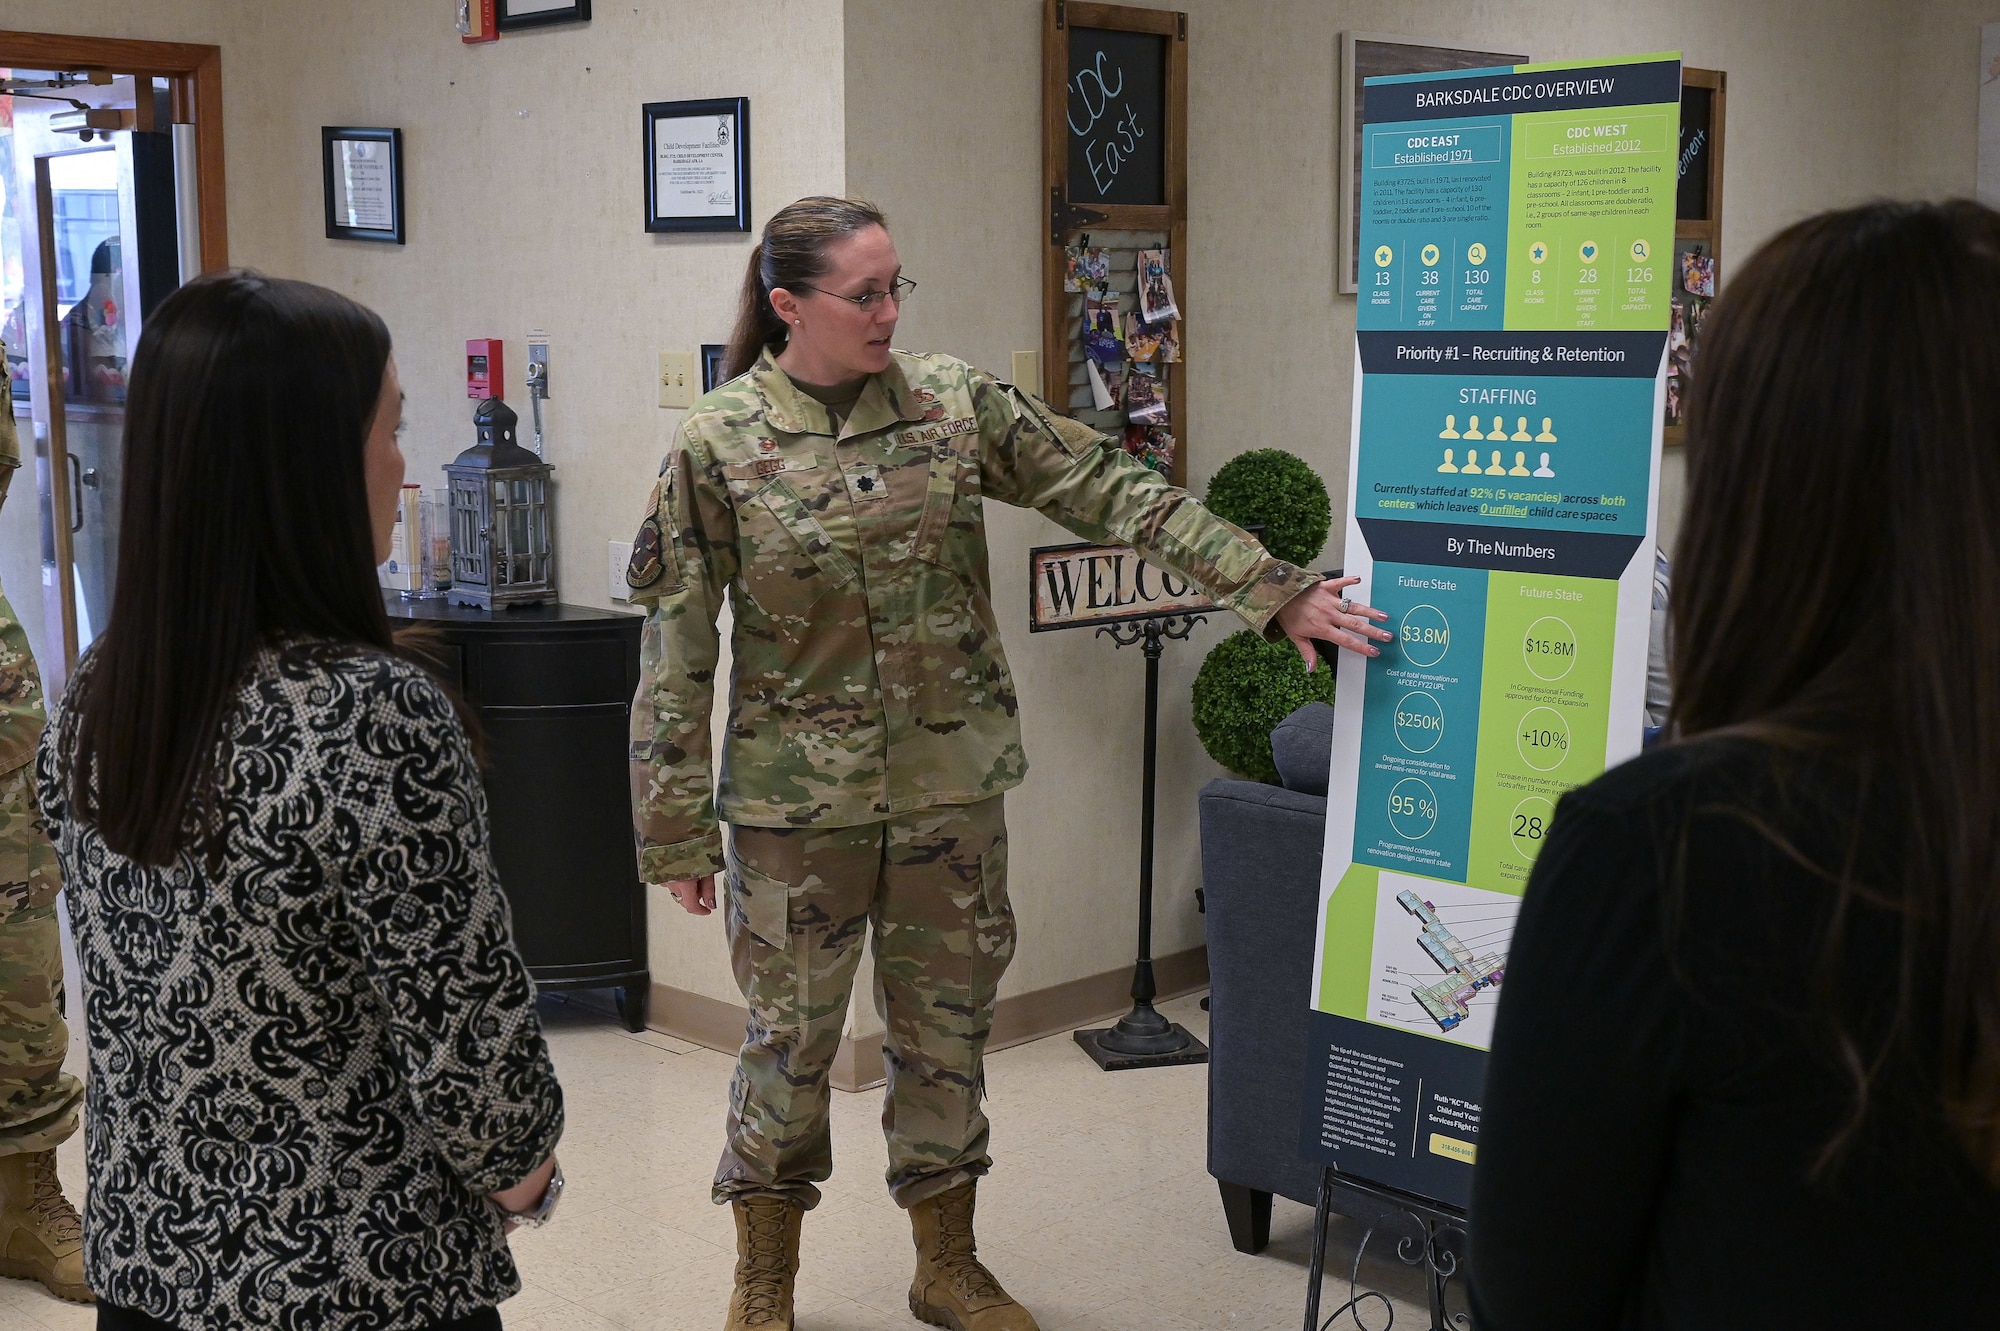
x,y
194,75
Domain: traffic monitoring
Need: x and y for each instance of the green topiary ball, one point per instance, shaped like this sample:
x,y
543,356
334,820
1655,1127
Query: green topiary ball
x,y
1244,688
1278,490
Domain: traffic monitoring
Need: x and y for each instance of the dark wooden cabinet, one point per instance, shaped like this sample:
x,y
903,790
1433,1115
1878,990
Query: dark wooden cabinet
x,y
553,686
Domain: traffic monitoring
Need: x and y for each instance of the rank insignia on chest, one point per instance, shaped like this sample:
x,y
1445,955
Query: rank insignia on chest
x,y
865,482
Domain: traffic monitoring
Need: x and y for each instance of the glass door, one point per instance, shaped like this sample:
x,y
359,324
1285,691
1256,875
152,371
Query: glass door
x,y
97,234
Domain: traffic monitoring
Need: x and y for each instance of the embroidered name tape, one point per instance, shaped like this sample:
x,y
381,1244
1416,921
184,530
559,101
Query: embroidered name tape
x,y
931,434
762,467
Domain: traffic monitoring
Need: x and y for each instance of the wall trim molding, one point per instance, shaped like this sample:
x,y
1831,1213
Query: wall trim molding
x,y
1018,1018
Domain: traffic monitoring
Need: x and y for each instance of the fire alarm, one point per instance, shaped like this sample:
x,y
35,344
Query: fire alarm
x,y
484,374
476,23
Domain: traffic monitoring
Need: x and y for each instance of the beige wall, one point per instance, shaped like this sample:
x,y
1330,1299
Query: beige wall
x,y
1939,89
524,188
524,185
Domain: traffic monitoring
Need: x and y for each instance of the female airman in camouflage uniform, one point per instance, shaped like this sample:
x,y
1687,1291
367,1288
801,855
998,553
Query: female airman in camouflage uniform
x,y
40,1104
834,490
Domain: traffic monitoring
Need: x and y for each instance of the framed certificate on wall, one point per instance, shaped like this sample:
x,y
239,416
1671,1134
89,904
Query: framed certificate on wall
x,y
697,164
514,15
362,172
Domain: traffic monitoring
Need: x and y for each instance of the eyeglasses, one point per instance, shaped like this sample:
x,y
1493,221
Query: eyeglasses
x,y
870,301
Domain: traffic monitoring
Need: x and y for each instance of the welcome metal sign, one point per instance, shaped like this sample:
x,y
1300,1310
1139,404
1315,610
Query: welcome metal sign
x,y
1084,585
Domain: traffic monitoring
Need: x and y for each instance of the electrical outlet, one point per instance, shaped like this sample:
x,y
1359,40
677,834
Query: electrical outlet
x,y
1028,372
680,378
620,560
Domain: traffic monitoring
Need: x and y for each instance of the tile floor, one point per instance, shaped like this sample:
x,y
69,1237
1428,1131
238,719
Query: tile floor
x,y
1099,1215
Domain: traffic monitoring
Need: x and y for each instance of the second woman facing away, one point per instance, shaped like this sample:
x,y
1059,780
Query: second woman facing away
x,y
318,1092
1746,1068
834,491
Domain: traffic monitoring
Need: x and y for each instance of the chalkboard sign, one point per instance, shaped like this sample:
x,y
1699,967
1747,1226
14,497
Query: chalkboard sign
x,y
1117,117
1697,145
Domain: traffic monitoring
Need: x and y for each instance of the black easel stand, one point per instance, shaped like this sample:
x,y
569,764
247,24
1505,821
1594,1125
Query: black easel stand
x,y
1143,1038
1435,1222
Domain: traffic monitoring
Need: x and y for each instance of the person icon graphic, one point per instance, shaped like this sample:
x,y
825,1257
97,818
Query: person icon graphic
x,y
1521,435
1472,430
1520,467
1499,430
1545,471
1449,465
1450,431
1547,436
1497,469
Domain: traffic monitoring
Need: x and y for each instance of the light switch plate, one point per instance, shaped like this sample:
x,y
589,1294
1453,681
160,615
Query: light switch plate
x,y
1028,371
620,560
680,378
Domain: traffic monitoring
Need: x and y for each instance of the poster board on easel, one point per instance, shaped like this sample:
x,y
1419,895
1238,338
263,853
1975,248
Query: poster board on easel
x,y
1502,508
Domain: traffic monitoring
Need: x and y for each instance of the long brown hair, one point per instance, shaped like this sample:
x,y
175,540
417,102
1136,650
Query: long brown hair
x,y
1837,592
245,518
792,253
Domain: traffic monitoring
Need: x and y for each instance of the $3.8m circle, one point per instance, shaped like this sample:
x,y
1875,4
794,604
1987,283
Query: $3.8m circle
x,y
1424,635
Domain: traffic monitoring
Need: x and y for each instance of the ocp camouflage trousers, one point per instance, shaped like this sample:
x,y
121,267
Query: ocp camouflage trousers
x,y
932,887
39,1102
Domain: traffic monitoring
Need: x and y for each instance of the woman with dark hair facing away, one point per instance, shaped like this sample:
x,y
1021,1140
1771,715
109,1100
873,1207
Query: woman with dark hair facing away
x,y
833,490
1746,1071
318,1092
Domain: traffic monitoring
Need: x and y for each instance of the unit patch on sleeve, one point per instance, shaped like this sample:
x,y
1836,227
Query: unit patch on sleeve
x,y
646,566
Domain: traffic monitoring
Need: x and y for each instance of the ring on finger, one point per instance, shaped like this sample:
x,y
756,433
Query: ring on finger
x,y
1346,605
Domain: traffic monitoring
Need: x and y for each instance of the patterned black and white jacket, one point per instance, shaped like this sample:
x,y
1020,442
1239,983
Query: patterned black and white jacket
x,y
308,1067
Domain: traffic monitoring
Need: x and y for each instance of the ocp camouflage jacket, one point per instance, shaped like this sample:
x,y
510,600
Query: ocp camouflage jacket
x,y
869,679
21,714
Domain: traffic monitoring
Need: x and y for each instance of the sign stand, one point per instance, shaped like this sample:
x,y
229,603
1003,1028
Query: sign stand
x,y
1143,1038
1436,1222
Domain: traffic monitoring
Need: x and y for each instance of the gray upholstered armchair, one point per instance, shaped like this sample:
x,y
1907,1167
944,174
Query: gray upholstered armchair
x,y
1260,862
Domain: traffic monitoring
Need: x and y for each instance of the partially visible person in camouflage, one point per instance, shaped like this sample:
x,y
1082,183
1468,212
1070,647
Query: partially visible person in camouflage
x,y
833,490
41,1237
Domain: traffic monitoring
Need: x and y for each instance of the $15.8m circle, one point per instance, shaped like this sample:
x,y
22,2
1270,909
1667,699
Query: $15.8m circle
x,y
1549,648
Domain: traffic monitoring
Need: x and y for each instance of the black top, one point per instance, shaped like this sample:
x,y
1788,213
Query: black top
x,y
1663,1078
311,1055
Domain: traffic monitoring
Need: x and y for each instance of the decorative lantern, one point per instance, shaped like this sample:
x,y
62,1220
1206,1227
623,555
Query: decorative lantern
x,y
502,548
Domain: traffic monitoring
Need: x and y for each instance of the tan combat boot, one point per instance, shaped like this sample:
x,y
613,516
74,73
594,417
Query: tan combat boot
x,y
41,1237
767,1258
952,1288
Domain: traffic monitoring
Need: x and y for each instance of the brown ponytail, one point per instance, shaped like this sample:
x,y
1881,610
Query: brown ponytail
x,y
792,253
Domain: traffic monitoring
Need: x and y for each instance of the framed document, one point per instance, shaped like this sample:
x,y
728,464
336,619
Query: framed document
x,y
514,15
697,164
362,171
